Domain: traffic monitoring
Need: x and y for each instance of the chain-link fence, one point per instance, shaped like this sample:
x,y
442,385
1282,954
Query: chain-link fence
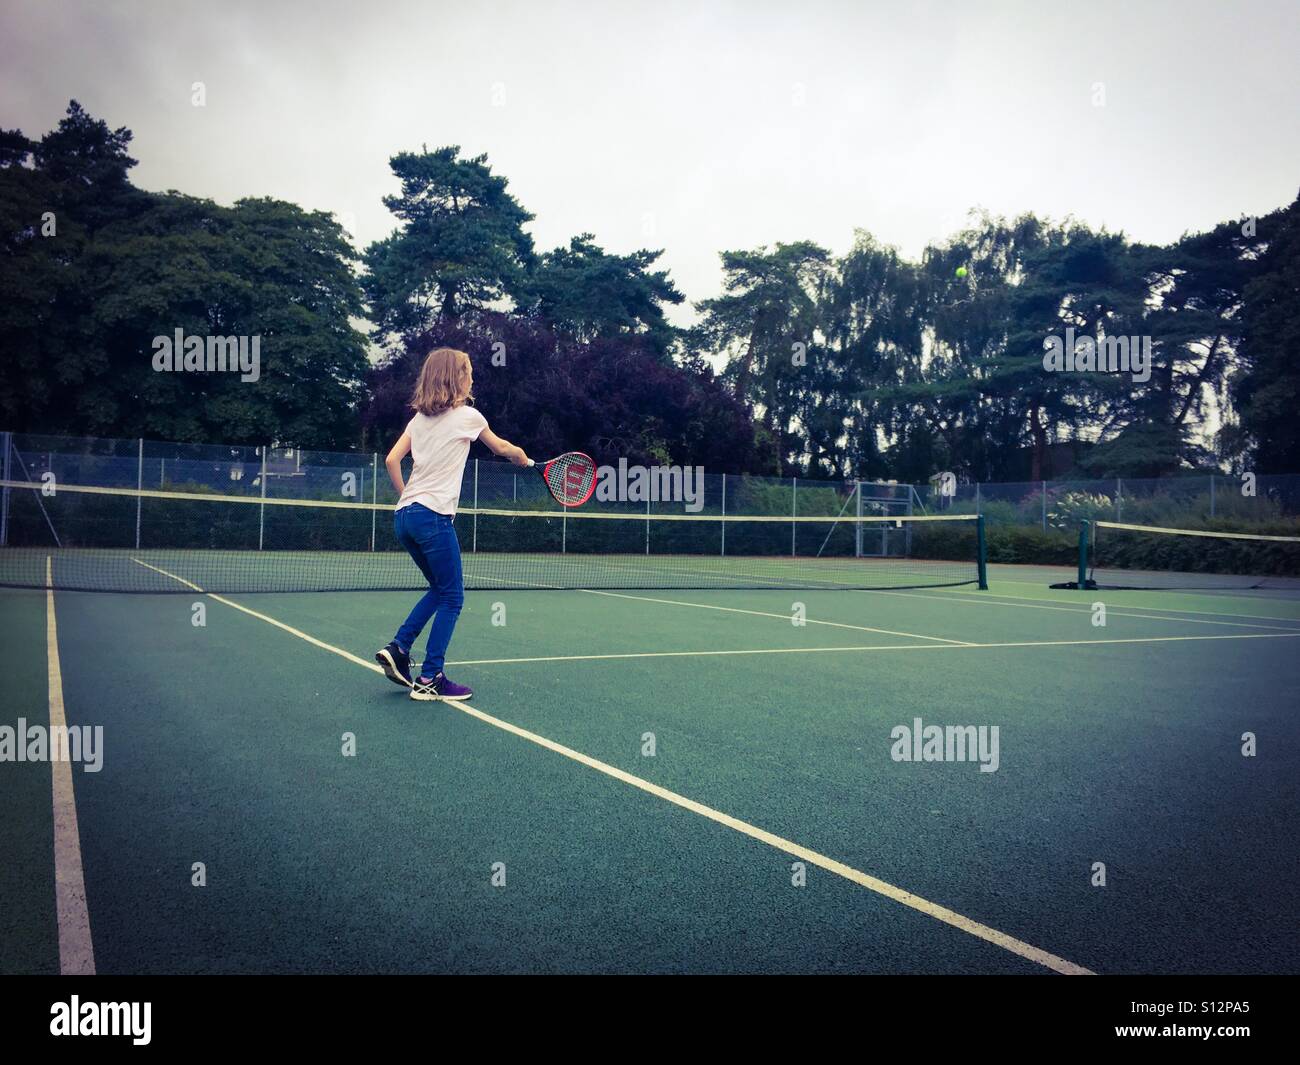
x,y
1202,501
1198,501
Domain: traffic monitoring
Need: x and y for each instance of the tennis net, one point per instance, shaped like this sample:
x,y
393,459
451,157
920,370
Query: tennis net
x,y
127,540
1144,556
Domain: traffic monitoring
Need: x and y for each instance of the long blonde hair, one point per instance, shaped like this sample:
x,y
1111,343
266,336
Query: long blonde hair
x,y
444,382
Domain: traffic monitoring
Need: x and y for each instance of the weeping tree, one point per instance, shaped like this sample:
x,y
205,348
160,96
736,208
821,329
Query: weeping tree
x,y
766,326
871,318
992,297
1264,388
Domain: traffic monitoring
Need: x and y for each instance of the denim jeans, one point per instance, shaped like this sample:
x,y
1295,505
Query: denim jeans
x,y
430,539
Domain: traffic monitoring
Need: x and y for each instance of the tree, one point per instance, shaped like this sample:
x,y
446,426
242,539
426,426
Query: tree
x,y
613,397
768,311
982,388
870,316
1266,388
1060,278
461,248
587,293
122,267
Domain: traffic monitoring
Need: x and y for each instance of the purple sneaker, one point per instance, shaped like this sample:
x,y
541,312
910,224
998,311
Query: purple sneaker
x,y
428,690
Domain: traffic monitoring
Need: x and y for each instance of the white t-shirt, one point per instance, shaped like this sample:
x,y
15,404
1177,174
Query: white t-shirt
x,y
439,447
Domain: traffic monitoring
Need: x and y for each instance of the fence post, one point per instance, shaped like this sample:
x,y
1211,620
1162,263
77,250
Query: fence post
x,y
474,539
647,523
857,531
1119,499
4,501
1211,495
977,498
374,495
139,487
1083,554
724,514
261,515
794,511
1042,487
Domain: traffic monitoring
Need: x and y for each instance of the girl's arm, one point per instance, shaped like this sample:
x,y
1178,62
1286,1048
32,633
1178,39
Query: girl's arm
x,y
502,447
394,461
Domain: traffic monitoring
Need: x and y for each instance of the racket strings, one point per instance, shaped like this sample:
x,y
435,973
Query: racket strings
x,y
571,479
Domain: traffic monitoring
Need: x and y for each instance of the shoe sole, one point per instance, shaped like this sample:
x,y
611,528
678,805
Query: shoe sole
x,y
390,668
440,698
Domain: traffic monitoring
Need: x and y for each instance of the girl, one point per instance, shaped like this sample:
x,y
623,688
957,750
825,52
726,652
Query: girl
x,y
438,438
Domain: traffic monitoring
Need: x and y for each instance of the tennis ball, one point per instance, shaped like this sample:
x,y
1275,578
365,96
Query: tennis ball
x,y
961,271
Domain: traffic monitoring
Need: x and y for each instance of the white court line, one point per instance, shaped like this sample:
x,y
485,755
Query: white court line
x,y
742,579
1127,591
871,883
782,617
703,654
263,617
874,647
1111,611
940,593
76,948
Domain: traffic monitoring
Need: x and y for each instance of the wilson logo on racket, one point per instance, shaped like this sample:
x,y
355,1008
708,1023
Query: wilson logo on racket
x,y
570,478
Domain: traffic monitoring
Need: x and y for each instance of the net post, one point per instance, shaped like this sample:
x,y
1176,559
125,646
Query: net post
x,y
981,553
474,536
261,510
4,501
139,487
374,495
1083,555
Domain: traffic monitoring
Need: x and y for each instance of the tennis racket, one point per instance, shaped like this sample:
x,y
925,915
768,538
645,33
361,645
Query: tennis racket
x,y
570,478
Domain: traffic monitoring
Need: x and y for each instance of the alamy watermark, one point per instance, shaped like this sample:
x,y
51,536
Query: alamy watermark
x,y
195,354
651,484
1108,354
946,743
78,1018
58,743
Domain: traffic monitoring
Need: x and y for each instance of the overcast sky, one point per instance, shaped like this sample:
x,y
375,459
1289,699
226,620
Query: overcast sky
x,y
695,126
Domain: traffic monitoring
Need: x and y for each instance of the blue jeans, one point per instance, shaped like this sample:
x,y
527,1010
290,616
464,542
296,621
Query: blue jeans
x,y
430,539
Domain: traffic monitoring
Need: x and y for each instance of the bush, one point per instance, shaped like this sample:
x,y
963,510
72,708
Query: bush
x,y
1121,549
1070,508
1030,545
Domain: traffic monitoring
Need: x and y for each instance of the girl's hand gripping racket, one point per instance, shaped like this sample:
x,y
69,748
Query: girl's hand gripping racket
x,y
570,478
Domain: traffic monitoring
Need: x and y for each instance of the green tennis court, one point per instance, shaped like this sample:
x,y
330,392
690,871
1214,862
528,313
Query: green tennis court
x,y
668,780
